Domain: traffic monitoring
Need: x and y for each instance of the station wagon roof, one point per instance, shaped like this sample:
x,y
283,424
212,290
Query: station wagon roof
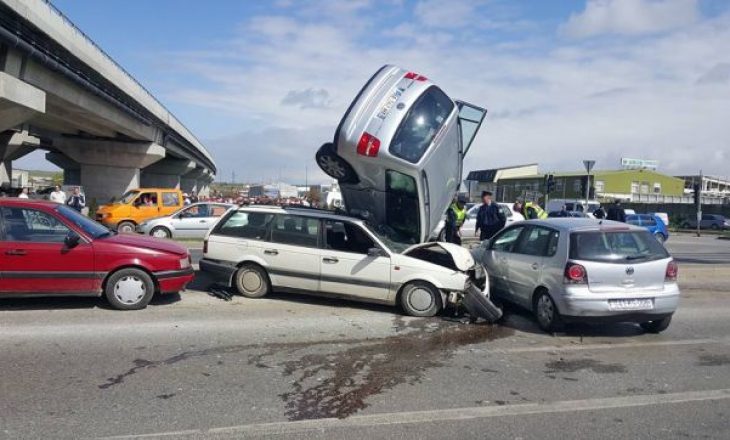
x,y
301,210
573,224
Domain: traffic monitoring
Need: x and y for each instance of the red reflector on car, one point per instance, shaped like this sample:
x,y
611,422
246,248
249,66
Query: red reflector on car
x,y
575,273
672,271
368,146
414,76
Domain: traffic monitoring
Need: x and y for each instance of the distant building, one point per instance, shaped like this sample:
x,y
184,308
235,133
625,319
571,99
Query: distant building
x,y
279,190
714,189
487,180
20,179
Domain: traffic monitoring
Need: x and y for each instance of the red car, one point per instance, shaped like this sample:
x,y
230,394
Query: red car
x,y
48,249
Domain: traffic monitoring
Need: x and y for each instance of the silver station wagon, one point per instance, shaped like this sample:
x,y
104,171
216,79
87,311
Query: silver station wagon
x,y
580,269
398,153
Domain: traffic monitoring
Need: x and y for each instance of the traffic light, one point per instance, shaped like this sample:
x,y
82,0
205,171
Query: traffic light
x,y
549,183
697,193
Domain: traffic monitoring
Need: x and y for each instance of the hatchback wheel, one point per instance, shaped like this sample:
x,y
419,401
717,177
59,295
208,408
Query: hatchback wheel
x,y
160,232
335,166
547,315
252,281
657,326
420,299
126,227
129,289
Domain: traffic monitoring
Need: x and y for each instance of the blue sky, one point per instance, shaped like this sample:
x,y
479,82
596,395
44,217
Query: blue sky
x,y
263,84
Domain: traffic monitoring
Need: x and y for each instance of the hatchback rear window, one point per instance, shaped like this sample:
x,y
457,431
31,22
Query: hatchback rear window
x,y
615,246
422,122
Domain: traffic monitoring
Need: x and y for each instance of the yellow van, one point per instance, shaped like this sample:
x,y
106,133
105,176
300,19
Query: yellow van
x,y
138,205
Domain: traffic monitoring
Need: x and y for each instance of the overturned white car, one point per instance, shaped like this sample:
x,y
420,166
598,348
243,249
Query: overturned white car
x,y
258,249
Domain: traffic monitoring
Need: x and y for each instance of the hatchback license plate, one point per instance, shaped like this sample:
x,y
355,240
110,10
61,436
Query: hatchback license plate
x,y
630,304
385,109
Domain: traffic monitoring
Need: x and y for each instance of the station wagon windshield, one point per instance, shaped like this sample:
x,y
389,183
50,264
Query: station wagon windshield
x,y
423,121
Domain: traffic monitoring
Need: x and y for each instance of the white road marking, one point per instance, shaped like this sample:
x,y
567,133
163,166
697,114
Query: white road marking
x,y
443,415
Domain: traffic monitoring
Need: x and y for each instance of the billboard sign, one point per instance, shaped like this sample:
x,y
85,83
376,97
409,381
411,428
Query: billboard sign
x,y
639,164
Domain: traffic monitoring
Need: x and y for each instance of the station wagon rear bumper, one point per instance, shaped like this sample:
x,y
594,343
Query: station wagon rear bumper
x,y
579,304
219,270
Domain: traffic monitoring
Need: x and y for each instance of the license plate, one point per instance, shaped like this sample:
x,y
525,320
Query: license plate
x,y
385,109
630,304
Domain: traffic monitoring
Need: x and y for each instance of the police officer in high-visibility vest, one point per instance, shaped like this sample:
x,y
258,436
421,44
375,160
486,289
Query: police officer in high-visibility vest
x,y
530,210
455,216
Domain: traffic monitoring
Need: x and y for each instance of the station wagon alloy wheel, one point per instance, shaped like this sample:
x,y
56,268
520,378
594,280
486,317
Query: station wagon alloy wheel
x,y
129,289
252,281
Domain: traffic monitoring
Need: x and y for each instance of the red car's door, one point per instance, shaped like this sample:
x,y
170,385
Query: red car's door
x,y
35,259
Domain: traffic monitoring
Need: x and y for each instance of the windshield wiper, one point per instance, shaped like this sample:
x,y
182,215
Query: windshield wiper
x,y
636,257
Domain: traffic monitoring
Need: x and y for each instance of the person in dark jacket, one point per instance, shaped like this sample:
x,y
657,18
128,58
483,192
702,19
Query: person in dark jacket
x,y
490,218
599,213
77,200
616,212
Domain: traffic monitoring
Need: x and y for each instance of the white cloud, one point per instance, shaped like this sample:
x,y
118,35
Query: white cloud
x,y
439,13
631,17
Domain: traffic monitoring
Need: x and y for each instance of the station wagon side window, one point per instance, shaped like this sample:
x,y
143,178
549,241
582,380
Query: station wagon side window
x,y
506,240
30,225
422,122
295,230
241,224
538,241
402,212
346,237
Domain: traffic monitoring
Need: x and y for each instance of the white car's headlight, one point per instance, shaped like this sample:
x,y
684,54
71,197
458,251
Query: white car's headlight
x,y
185,262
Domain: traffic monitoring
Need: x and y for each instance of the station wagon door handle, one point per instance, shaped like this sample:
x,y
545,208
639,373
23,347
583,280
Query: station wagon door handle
x,y
330,260
271,252
535,266
16,252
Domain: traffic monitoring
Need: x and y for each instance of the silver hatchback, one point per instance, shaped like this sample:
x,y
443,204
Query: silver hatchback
x,y
398,153
579,269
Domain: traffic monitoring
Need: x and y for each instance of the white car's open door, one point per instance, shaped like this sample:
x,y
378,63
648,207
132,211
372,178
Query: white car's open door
x,y
470,120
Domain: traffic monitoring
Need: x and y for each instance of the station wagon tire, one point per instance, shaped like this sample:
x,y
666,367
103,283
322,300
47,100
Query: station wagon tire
x,y
252,281
420,299
657,326
129,289
335,166
161,232
546,313
126,227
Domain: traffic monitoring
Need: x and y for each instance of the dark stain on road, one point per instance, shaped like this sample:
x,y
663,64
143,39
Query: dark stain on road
x,y
165,396
571,366
338,384
713,360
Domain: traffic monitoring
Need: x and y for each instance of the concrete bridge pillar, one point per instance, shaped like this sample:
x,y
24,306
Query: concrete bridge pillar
x,y
189,182
204,185
13,146
166,173
107,169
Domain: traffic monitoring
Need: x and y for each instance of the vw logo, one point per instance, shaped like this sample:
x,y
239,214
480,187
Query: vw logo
x,y
629,270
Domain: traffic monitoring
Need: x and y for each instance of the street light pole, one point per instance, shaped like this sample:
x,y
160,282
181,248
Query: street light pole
x,y
588,164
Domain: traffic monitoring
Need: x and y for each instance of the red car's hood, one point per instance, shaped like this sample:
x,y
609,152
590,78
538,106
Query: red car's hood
x,y
144,241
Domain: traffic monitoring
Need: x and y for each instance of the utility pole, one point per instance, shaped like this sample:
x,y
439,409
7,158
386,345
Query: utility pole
x,y
588,164
698,201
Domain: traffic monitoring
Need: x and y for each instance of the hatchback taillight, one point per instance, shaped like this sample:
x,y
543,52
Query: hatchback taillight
x,y
672,270
368,146
575,274
205,246
414,76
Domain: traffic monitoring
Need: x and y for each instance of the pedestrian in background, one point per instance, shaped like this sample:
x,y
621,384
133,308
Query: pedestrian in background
x,y
23,193
77,200
616,212
57,195
455,216
490,218
531,210
186,199
599,213
193,197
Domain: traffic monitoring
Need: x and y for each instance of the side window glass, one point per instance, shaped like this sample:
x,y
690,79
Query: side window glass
x,y
552,247
32,226
346,237
535,242
217,211
252,225
295,230
146,199
189,212
170,199
505,241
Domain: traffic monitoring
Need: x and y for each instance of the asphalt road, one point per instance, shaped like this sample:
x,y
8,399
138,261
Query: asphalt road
x,y
293,367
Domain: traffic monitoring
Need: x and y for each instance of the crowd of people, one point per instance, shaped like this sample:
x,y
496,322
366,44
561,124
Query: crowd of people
x,y
75,199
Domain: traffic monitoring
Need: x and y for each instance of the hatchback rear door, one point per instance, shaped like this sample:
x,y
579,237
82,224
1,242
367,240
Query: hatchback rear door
x,y
470,120
620,261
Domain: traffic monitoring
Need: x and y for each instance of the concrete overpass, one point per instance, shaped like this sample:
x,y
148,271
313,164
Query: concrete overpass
x,y
61,93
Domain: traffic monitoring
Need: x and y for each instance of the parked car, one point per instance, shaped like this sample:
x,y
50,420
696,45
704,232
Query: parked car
x,y
137,206
663,216
574,214
573,205
47,249
651,223
469,227
398,153
578,269
192,221
709,221
258,249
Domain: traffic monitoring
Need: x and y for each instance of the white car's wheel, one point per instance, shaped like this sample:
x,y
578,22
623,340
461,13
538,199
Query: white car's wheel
x,y
419,298
252,281
160,232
